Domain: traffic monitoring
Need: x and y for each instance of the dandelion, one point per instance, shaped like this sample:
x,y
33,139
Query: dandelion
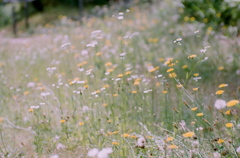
x,y
115,94
172,146
219,92
195,89
62,121
192,56
232,103
81,123
134,92
30,110
220,104
170,70
115,143
228,112
172,75
179,85
188,134
128,72
92,152
194,109
222,85
141,142
98,53
200,114
125,135
220,141
105,105
164,91
229,125
196,74
184,66
220,68
168,139
120,75
26,92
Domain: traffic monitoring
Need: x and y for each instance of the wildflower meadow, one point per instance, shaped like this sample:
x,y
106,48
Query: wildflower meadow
x,y
124,83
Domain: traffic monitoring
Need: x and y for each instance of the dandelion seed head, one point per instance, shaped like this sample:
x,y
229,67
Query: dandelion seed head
x,y
141,142
93,152
220,104
104,152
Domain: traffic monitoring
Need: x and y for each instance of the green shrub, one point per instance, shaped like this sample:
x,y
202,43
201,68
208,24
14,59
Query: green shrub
x,y
215,13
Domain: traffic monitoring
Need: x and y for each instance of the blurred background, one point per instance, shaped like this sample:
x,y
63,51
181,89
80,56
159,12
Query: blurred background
x,y
214,14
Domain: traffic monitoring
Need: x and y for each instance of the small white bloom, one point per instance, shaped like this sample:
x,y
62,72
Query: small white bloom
x,y
238,150
220,104
141,142
60,146
216,155
54,156
93,152
104,153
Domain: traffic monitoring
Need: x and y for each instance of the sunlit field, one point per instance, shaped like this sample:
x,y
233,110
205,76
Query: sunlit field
x,y
124,83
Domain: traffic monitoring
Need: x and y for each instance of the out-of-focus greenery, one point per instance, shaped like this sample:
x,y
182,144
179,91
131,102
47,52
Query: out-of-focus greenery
x,y
217,14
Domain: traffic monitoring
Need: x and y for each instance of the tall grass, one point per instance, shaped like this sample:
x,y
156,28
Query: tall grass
x,y
135,84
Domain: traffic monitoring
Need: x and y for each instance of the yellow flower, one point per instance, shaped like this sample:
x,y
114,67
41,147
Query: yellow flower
x,y
86,86
195,89
229,125
134,92
186,18
192,56
98,53
1,64
158,84
196,74
199,114
128,72
219,92
228,112
125,135
172,75
170,70
205,20
165,91
218,15
108,64
161,59
222,85
62,121
194,109
120,75
220,141
133,136
115,94
115,132
104,105
1,120
188,134
26,92
30,110
184,66
109,70
168,139
81,123
115,143
192,19
232,103
172,147
220,68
